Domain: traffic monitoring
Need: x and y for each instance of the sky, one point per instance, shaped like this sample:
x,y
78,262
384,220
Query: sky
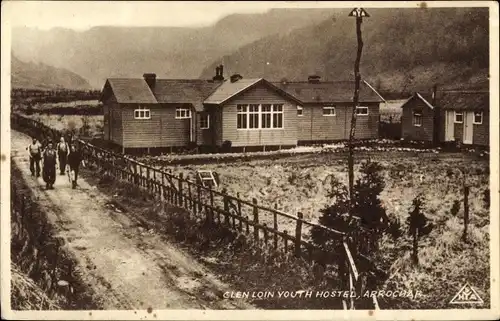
x,y
82,15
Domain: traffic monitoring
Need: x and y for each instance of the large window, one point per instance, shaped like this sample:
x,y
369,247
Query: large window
x,y
182,113
142,113
329,111
417,118
204,121
459,117
478,117
360,110
264,116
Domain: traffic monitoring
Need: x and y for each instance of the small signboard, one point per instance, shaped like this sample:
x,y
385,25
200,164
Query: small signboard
x,y
358,12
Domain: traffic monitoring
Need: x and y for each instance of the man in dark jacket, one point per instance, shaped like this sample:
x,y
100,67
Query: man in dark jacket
x,y
74,160
49,165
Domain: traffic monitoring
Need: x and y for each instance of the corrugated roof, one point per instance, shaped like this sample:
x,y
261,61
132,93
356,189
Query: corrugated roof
x,y
328,92
464,100
191,91
229,89
132,91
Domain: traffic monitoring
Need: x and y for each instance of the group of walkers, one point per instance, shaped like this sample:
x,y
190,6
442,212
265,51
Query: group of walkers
x,y
68,158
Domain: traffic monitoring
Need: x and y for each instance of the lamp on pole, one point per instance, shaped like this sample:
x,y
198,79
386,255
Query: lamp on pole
x,y
358,13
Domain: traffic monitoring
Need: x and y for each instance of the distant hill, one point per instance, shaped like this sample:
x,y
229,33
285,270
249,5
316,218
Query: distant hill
x,y
404,50
172,52
31,75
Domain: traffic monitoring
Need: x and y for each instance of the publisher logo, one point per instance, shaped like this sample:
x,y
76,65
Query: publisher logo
x,y
467,294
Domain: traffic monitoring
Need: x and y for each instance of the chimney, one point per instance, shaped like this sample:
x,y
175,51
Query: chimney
x,y
314,79
218,73
236,77
434,95
150,80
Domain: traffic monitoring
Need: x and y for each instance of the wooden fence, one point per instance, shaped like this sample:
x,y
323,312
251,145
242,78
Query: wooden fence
x,y
263,224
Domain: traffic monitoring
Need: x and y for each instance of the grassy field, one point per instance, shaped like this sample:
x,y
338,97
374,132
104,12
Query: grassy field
x,y
76,122
300,183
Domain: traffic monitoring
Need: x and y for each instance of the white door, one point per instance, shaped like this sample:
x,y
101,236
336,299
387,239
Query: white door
x,y
468,126
450,126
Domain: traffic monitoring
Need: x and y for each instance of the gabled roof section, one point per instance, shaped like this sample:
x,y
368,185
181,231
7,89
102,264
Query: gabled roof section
x,y
230,89
131,91
465,100
190,91
420,97
328,92
375,91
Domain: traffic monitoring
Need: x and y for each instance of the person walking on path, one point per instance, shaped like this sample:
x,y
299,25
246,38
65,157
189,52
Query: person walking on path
x,y
35,151
49,165
62,155
74,160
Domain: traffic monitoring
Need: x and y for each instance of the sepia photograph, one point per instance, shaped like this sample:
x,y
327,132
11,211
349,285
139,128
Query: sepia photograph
x,y
275,160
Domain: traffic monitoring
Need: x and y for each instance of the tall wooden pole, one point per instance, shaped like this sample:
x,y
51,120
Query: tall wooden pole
x,y
358,13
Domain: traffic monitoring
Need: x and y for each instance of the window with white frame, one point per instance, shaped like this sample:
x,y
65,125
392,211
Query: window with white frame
x,y
329,111
204,120
182,113
417,118
478,117
300,111
459,117
242,116
361,110
259,116
277,116
142,113
253,116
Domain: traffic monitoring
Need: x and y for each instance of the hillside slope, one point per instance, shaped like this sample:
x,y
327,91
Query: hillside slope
x,y
404,49
172,52
31,75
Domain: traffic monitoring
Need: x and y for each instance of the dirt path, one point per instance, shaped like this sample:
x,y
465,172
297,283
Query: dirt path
x,y
129,268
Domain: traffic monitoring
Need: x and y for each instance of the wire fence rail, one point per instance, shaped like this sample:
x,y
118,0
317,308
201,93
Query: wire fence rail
x,y
262,224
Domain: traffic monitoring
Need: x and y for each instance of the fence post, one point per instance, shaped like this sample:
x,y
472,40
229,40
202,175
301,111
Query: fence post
x,y
298,234
239,211
211,216
466,211
148,182
136,182
190,200
275,225
266,234
163,186
226,207
198,198
181,177
255,220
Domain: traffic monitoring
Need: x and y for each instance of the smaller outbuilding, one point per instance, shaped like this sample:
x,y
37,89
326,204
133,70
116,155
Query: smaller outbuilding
x,y
447,116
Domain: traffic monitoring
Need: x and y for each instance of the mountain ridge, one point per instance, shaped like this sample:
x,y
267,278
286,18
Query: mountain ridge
x,y
171,52
403,49
29,75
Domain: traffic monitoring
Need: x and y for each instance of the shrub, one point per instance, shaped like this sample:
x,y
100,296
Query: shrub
x,y
226,146
486,198
367,211
394,229
418,224
455,207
